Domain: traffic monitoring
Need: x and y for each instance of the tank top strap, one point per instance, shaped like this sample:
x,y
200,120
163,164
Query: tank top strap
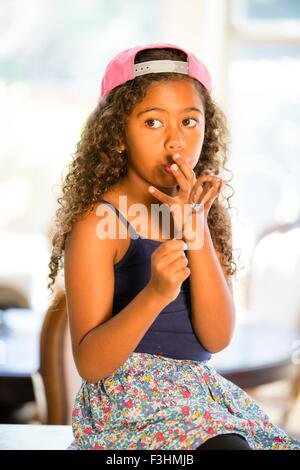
x,y
132,231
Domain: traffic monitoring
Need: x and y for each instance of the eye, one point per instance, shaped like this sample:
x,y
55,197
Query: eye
x,y
191,119
187,119
152,120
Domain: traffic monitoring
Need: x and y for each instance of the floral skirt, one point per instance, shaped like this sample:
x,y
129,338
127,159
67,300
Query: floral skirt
x,y
155,402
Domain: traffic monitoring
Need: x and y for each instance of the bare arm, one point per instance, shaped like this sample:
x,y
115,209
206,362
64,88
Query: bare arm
x,y
109,345
213,311
101,343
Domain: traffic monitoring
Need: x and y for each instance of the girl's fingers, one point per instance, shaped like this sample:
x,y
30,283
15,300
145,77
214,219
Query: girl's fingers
x,y
186,170
161,196
206,187
180,177
196,194
208,179
199,190
223,184
212,192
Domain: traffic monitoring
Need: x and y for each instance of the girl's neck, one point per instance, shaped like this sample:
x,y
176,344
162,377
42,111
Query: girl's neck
x,y
113,196
137,192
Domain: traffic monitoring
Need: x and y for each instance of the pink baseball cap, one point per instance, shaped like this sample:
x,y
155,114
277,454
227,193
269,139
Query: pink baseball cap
x,y
122,67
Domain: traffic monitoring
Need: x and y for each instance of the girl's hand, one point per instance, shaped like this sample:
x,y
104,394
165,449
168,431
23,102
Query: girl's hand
x,y
168,270
206,190
191,190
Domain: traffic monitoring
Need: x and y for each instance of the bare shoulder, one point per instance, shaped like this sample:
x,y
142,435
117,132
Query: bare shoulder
x,y
89,277
86,230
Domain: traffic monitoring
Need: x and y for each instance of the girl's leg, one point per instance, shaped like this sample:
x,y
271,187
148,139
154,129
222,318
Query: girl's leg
x,y
225,442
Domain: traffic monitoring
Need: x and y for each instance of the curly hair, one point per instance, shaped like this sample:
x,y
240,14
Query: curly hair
x,y
97,164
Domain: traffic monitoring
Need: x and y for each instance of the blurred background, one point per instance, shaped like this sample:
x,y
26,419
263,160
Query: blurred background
x,y
52,57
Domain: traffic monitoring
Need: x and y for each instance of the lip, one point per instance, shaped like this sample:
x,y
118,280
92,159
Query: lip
x,y
167,169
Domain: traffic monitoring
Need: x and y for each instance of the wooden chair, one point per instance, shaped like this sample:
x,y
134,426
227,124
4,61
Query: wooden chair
x,y
12,297
57,380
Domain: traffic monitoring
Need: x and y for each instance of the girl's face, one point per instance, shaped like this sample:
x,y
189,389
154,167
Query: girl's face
x,y
153,136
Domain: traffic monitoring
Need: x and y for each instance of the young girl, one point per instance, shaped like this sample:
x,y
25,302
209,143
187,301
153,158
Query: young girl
x,y
147,311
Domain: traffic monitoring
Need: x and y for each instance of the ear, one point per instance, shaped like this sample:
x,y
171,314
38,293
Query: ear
x,y
226,275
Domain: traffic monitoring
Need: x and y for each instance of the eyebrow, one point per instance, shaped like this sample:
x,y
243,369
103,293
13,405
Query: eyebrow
x,y
146,110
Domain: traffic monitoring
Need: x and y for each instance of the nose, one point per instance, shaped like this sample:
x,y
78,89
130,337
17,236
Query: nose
x,y
174,145
173,139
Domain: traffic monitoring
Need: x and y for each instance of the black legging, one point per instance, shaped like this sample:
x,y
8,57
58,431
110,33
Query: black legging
x,y
225,442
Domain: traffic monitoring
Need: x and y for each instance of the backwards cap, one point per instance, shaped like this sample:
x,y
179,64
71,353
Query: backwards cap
x,y
122,67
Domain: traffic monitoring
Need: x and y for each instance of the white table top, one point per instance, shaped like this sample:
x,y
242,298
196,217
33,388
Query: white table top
x,y
35,437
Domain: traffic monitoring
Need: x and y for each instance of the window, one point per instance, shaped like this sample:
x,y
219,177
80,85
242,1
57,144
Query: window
x,y
52,57
264,112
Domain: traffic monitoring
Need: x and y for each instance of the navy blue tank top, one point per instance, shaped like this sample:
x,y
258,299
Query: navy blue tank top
x,y
171,334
